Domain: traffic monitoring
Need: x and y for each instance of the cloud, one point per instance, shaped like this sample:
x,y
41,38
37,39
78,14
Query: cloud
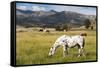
x,y
79,9
59,8
33,8
38,8
22,7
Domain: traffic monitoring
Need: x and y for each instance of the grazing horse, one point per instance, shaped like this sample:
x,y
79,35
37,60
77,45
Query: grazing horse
x,y
41,30
68,42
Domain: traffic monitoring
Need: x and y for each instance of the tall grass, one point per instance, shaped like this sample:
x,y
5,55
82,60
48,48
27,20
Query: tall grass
x,y
33,47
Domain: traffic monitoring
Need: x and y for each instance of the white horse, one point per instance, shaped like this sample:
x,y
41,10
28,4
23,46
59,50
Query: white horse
x,y
68,42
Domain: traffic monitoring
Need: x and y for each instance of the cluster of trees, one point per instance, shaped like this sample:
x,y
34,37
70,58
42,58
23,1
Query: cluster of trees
x,y
63,27
67,26
89,24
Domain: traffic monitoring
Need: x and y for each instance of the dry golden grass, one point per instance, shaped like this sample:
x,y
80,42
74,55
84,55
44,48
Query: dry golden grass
x,y
33,47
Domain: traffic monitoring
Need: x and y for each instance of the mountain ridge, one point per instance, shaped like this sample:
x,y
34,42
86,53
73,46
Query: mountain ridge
x,y
50,18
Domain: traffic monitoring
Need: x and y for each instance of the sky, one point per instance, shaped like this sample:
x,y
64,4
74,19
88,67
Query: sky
x,y
58,8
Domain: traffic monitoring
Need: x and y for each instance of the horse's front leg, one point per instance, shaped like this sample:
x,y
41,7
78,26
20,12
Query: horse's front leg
x,y
65,51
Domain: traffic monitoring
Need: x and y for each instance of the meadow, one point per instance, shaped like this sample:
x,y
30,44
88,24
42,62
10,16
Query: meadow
x,y
32,47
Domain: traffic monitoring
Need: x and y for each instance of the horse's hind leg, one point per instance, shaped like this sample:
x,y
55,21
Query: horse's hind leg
x,y
81,52
81,48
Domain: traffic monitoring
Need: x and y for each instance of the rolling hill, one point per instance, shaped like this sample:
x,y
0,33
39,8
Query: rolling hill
x,y
50,18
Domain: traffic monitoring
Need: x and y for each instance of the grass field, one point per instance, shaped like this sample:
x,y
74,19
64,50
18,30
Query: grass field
x,y
33,47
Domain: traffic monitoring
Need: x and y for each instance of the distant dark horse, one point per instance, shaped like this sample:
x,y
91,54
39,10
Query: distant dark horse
x,y
68,42
41,30
44,30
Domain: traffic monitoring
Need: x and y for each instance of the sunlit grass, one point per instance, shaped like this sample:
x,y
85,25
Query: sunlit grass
x,y
33,47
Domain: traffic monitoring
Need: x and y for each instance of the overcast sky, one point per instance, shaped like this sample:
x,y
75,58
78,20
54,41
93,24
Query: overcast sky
x,y
44,7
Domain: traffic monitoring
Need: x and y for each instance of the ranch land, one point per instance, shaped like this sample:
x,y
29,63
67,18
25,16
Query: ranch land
x,y
32,47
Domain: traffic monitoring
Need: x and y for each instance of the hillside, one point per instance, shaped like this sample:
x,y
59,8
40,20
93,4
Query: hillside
x,y
49,18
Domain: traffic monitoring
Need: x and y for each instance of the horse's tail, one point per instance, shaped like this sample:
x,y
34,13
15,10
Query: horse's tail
x,y
83,42
83,34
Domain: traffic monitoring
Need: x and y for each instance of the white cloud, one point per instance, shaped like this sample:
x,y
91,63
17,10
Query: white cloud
x,y
38,8
22,7
33,8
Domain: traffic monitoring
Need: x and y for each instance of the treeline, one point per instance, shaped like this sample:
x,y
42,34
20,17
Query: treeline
x,y
88,24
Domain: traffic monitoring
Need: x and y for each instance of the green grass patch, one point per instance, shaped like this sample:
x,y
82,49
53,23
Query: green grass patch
x,y
33,47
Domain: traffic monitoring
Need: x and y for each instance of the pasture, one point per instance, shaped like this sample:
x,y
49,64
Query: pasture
x,y
32,47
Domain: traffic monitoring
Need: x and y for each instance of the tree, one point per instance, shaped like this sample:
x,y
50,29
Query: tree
x,y
62,27
65,27
58,28
91,27
87,23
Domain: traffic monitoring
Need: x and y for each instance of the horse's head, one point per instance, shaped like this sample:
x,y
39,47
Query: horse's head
x,y
50,52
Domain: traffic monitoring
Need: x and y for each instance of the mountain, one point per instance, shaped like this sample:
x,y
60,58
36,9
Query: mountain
x,y
49,18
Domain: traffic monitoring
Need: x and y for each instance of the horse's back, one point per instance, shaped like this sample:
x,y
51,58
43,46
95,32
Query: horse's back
x,y
78,38
61,38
